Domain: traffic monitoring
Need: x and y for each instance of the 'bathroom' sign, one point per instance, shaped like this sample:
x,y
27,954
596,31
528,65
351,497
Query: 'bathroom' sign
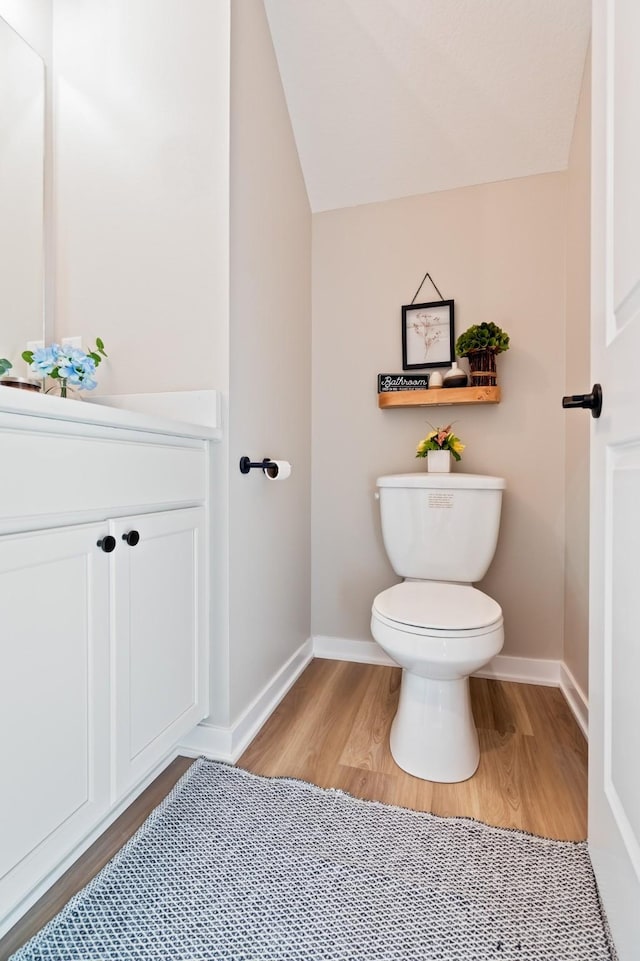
x,y
390,382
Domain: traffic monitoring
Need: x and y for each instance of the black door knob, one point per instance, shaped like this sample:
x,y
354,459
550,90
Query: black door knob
x,y
107,544
592,401
131,537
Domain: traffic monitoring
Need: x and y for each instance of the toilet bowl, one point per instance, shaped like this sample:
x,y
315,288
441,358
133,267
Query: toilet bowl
x,y
440,532
433,735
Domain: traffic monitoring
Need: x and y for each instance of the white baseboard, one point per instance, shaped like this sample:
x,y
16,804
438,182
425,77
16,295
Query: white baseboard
x,y
228,743
575,698
347,649
503,667
526,670
214,742
522,670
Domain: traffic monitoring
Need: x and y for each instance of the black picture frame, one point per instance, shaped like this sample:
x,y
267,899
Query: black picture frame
x,y
428,338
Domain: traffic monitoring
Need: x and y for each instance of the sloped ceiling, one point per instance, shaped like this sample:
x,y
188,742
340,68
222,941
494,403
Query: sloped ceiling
x,y
390,98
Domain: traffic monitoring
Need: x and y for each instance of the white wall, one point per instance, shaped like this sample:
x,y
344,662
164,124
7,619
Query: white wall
x,y
578,423
32,20
141,194
141,188
22,114
151,235
499,251
270,330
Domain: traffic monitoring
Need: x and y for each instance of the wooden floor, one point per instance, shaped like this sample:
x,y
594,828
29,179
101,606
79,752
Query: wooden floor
x,y
333,729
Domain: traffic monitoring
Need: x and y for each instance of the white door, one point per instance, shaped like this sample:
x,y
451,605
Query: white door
x,y
158,636
614,669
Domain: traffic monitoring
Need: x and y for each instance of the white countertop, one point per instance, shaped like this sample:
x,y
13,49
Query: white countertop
x,y
97,411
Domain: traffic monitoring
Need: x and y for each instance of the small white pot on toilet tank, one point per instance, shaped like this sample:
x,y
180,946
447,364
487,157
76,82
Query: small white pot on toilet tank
x,y
438,461
440,533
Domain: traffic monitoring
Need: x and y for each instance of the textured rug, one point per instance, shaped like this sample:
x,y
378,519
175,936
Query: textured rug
x,y
246,868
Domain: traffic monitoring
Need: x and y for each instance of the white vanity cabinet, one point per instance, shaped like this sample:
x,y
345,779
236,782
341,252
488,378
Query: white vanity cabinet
x,y
103,623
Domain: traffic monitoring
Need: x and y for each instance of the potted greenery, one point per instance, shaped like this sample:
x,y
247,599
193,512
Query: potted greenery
x,y
480,343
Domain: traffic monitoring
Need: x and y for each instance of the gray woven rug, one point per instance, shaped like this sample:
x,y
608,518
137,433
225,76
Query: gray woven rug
x,y
246,868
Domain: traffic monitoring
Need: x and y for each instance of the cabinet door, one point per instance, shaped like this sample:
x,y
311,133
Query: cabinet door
x,y
54,699
159,637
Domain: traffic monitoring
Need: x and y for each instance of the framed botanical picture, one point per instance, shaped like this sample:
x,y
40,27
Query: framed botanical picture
x,y
427,335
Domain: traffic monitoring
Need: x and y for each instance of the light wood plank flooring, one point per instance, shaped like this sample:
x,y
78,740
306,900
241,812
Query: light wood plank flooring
x,y
333,729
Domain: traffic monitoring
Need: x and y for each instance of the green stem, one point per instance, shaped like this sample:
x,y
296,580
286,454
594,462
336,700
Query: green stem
x,y
63,387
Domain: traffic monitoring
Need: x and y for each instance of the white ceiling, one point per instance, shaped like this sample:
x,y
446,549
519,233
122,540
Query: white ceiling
x,y
390,98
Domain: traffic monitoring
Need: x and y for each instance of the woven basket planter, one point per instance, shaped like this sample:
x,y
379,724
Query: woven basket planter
x,y
482,367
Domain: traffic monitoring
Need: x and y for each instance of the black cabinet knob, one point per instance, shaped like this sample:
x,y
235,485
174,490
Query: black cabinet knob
x,y
592,401
131,537
107,544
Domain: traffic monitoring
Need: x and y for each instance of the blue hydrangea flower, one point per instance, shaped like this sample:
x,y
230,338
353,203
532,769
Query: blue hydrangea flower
x,y
68,364
45,359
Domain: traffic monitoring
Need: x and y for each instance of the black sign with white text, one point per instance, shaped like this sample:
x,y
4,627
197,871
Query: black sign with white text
x,y
390,382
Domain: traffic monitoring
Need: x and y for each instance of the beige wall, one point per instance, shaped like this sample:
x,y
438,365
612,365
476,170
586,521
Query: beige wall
x,y
142,188
499,251
270,331
577,423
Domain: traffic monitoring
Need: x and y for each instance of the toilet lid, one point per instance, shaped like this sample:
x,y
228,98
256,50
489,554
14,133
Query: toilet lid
x,y
444,607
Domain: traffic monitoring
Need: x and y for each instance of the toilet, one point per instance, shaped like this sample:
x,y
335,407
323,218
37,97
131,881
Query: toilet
x,y
440,533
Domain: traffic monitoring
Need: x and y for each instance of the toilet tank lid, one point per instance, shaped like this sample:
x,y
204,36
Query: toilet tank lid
x,y
451,481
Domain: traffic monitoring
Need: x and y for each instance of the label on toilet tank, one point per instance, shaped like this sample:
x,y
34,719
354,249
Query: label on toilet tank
x,y
440,499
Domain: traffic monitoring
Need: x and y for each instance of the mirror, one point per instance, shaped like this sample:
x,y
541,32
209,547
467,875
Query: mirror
x,y
22,106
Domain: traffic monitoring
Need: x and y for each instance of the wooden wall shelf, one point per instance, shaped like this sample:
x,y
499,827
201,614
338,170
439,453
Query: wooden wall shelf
x,y
439,397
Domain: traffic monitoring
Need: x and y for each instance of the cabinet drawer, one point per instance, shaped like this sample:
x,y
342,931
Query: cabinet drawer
x,y
47,474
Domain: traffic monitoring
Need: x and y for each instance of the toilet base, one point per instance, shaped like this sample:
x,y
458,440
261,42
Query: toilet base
x,y
433,735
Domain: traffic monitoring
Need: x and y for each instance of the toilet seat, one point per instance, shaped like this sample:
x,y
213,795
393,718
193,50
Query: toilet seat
x,y
436,609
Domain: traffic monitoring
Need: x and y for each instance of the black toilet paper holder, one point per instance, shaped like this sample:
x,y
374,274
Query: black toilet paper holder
x,y
246,464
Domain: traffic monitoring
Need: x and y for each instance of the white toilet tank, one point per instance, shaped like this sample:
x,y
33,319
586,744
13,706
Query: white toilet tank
x,y
440,527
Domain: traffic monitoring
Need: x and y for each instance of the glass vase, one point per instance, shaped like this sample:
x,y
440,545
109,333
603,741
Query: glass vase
x,y
60,388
